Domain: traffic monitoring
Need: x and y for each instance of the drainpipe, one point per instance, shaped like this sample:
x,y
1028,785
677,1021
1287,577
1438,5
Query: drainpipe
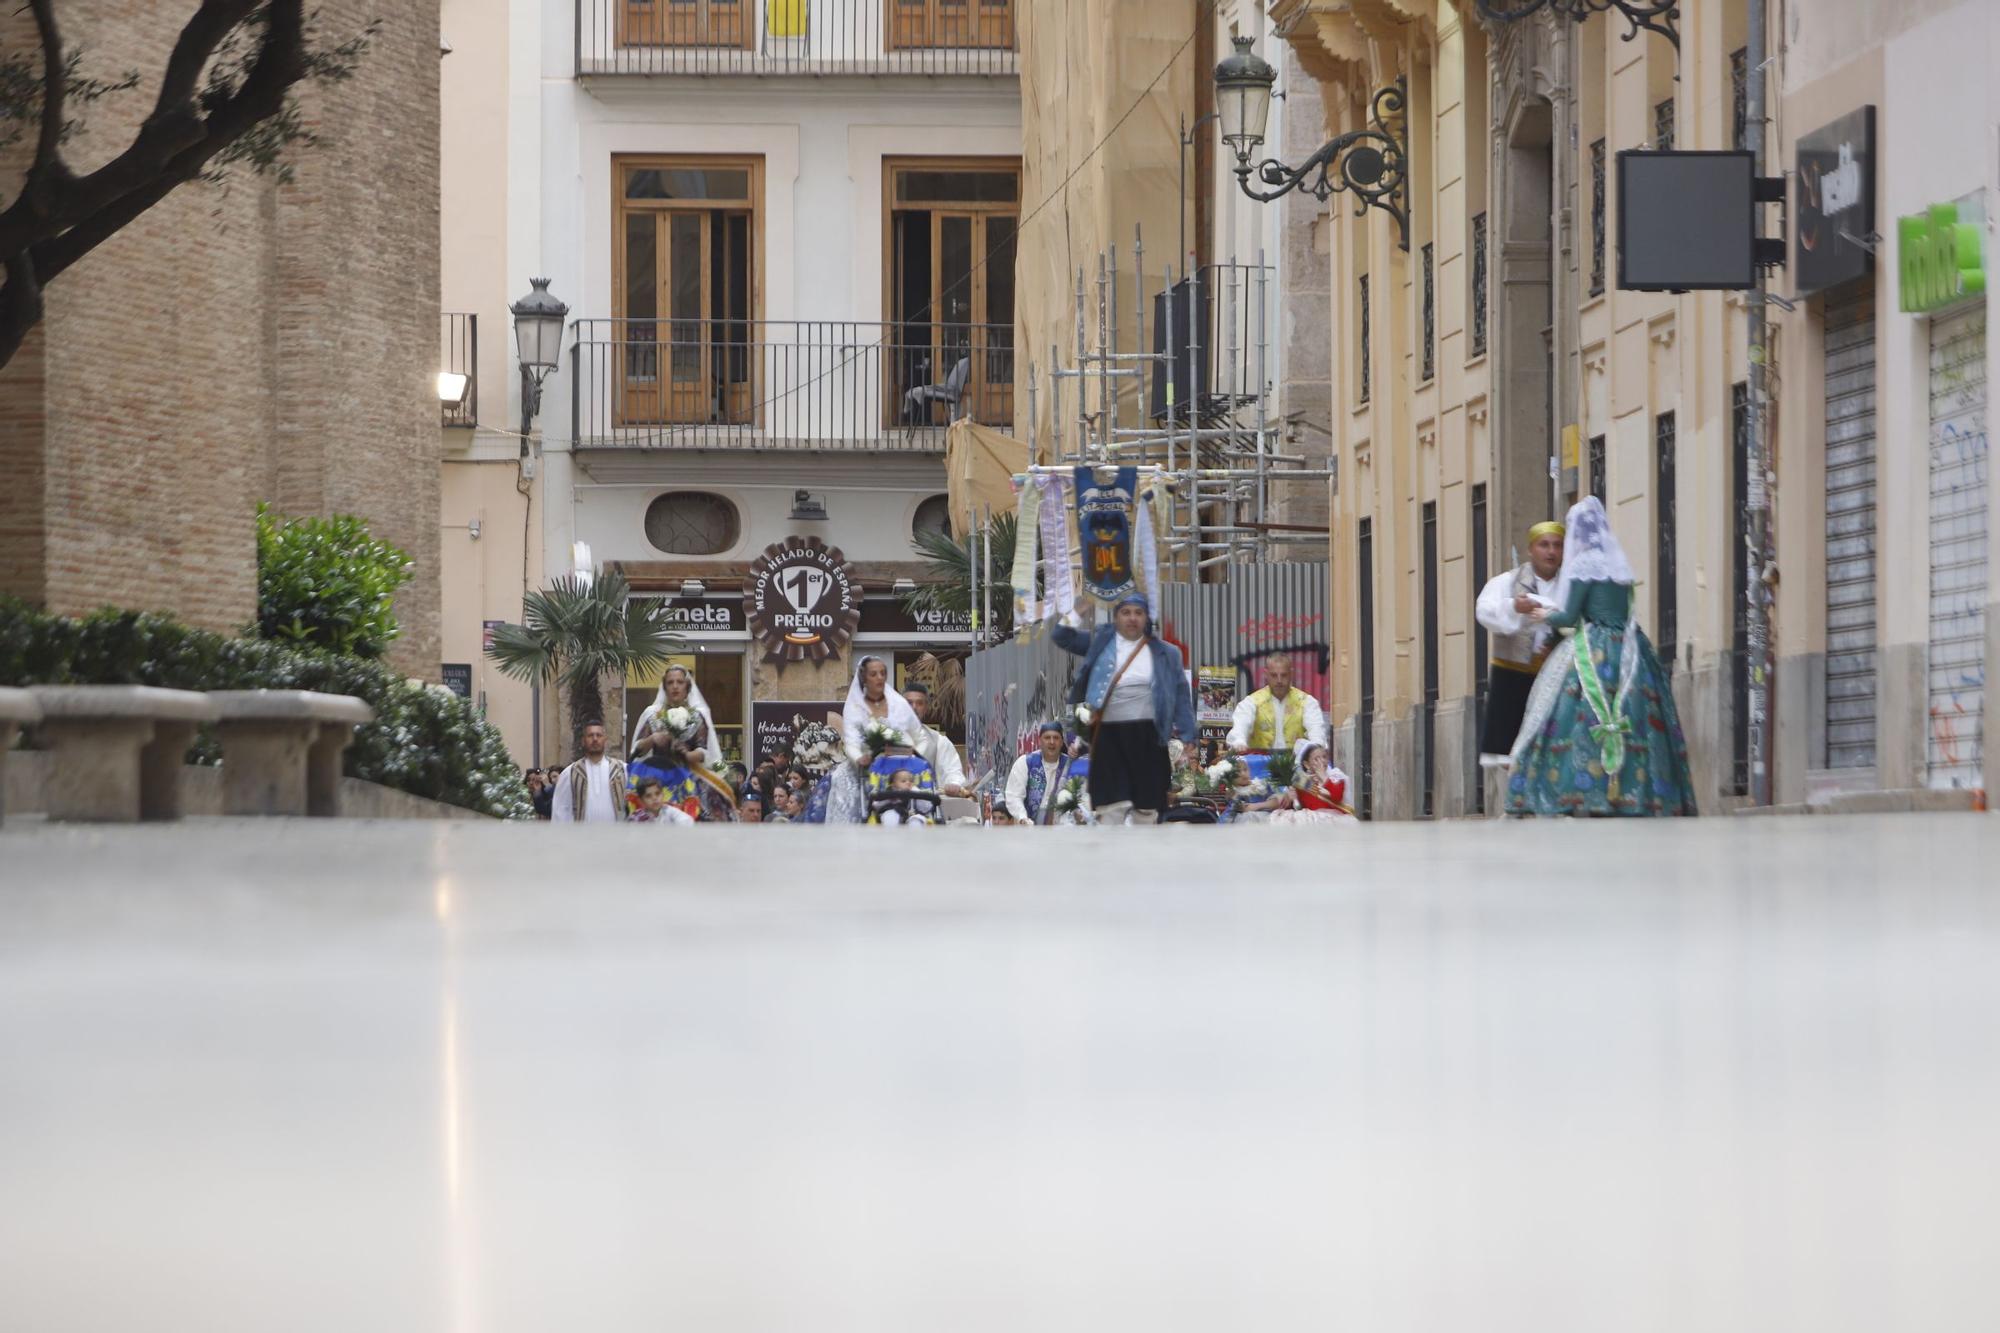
x,y
1760,482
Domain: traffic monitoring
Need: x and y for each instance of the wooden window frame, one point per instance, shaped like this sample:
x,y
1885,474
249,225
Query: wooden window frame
x,y
903,163
932,39
636,32
622,164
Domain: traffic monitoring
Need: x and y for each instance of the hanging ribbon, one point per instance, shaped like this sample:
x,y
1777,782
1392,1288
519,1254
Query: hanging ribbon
x,y
1058,579
1027,524
1612,725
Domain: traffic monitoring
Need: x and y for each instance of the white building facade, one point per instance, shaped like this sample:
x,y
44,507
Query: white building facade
x,y
785,233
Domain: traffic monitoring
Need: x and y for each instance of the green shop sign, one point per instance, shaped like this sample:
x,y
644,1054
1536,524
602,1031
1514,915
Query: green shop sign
x,y
1942,258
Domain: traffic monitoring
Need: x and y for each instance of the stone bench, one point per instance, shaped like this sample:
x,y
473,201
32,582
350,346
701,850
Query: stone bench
x,y
17,709
118,748
281,749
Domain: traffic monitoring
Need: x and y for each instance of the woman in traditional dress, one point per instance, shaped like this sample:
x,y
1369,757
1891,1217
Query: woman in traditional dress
x,y
679,757
1134,690
843,794
1601,736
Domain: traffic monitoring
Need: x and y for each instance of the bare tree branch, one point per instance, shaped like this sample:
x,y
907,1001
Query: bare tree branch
x,y
197,42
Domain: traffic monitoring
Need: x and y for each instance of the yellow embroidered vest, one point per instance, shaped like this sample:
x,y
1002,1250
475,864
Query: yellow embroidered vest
x,y
1264,731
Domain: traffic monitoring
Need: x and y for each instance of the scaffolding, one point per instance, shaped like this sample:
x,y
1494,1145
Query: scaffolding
x,y
1197,405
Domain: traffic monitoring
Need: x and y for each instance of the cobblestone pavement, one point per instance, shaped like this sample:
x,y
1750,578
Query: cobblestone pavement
x,y
1724,1075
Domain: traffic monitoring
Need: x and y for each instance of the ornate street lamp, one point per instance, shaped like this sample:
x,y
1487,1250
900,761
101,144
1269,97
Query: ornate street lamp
x,y
538,335
1371,164
1661,16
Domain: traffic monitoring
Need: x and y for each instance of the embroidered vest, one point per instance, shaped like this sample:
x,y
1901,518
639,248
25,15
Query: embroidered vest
x,y
579,788
1518,650
1264,731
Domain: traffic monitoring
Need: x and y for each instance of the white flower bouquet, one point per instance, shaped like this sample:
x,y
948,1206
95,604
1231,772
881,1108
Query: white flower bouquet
x,y
1070,798
681,726
881,736
1083,716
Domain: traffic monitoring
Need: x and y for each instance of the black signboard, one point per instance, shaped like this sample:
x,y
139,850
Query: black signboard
x,y
777,722
1835,202
888,615
696,615
457,677
1686,221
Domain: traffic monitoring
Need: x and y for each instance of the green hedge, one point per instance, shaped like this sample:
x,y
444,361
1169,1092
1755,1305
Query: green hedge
x,y
425,741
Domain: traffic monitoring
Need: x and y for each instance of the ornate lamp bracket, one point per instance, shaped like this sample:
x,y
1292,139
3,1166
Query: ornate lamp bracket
x,y
1660,16
1371,164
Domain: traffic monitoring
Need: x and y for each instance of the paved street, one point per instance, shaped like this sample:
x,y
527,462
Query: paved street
x,y
1728,1075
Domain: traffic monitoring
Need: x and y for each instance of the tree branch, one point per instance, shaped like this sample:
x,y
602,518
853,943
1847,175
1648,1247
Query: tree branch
x,y
197,42
20,305
55,91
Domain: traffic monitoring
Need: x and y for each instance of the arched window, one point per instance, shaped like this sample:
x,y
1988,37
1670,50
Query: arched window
x,y
693,523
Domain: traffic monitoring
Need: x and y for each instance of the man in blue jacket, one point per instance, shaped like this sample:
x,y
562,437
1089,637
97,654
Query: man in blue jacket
x,y
1134,691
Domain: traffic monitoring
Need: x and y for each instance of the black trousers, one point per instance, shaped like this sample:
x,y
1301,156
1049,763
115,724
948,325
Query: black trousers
x,y
1129,763
1507,691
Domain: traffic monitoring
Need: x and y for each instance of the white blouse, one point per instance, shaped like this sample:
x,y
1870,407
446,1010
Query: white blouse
x,y
1132,697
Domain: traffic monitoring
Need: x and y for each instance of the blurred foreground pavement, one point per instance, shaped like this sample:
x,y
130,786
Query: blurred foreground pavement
x,y
1727,1075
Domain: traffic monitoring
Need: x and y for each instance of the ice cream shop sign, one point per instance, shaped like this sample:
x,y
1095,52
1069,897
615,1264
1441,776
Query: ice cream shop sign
x,y
801,600
1942,255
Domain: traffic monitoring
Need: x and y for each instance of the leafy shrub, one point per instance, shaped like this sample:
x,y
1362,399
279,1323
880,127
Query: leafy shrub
x,y
424,740
326,583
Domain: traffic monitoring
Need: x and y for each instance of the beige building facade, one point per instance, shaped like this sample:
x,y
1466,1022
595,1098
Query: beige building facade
x,y
262,342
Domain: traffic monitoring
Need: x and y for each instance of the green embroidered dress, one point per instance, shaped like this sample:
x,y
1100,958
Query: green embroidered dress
x,y
1601,736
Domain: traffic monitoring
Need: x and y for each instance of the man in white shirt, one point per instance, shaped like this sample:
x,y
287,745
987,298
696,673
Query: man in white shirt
x,y
1277,717
591,790
1512,607
935,746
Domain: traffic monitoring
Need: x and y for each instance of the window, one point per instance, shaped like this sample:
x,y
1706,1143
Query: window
x,y
1479,284
986,25
1663,125
933,515
1665,540
1363,313
724,23
1739,85
1598,484
692,523
1430,313
950,296
1739,593
1427,730
685,254
1597,218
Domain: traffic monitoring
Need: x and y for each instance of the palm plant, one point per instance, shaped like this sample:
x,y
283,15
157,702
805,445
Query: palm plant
x,y
948,585
577,632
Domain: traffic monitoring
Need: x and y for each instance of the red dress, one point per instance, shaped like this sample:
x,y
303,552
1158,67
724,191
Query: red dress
x,y
1326,796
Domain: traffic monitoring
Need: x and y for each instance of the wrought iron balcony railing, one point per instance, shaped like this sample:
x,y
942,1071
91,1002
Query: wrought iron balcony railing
x,y
458,354
750,384
766,37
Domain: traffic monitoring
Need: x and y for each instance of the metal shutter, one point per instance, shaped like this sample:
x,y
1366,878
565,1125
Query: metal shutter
x,y
1850,528
1958,546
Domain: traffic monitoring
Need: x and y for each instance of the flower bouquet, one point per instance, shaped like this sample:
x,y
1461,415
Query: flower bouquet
x,y
1284,768
682,728
1070,799
1084,717
880,736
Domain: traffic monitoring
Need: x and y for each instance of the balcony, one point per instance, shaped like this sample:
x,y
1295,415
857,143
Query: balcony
x,y
767,384
798,37
458,354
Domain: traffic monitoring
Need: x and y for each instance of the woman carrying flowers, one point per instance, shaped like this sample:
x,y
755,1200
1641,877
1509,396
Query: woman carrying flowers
x,y
674,742
877,731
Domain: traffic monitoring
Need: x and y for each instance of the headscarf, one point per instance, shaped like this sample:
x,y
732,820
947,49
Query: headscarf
x,y
855,716
1046,728
1591,553
694,701
1547,528
1133,599
1302,749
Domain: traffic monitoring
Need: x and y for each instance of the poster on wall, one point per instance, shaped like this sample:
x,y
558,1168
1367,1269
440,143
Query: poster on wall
x,y
1215,697
779,721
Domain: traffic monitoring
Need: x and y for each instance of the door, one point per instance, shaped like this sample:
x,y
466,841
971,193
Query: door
x,y
1850,528
688,350
952,292
916,25
1958,544
722,23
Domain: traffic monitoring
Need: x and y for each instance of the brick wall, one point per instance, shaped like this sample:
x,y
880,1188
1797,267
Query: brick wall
x,y
235,344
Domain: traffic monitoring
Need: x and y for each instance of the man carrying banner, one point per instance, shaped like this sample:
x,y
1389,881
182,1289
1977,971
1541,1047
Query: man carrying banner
x,y
1512,607
1277,717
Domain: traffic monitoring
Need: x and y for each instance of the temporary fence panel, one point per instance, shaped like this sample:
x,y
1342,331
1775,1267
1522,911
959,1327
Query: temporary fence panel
x,y
1850,528
1010,690
1958,539
1262,612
